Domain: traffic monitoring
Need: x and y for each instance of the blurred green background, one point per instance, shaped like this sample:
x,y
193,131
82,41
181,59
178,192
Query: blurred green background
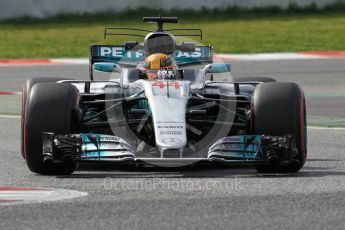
x,y
230,30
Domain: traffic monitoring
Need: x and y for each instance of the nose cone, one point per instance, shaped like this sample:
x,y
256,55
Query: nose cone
x,y
168,100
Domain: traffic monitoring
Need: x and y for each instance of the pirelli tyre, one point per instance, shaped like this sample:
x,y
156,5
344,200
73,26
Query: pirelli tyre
x,y
25,92
279,109
50,107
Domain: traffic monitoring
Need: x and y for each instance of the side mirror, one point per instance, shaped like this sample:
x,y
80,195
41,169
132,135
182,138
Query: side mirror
x,y
217,68
106,67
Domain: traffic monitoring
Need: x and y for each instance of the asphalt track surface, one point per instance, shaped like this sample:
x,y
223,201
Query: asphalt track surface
x,y
193,198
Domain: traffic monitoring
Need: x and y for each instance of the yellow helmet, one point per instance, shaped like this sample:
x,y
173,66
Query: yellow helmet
x,y
155,62
158,61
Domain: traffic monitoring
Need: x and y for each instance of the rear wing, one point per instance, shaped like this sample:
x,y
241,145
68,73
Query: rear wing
x,y
131,58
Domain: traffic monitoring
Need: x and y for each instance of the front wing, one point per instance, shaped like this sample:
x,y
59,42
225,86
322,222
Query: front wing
x,y
86,147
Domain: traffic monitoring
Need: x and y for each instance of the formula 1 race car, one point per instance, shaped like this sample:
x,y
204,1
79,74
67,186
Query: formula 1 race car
x,y
165,104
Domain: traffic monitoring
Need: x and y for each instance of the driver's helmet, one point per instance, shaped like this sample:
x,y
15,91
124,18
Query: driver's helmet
x,y
158,65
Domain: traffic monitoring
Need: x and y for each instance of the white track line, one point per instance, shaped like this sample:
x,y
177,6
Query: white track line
x,y
10,116
75,61
320,128
12,197
268,56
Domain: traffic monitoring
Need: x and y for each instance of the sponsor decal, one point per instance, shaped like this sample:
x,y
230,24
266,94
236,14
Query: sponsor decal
x,y
232,147
119,52
169,127
109,138
168,122
169,132
116,54
195,54
233,139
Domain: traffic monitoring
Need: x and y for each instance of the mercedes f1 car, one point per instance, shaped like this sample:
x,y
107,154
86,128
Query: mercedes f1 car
x,y
168,104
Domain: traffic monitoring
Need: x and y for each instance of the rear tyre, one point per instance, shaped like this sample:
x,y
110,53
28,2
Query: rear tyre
x,y
25,92
50,108
279,109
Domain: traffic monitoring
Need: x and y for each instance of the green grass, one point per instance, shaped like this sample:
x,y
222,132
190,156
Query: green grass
x,y
228,31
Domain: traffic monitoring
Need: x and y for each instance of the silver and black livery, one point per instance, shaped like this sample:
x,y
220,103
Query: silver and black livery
x,y
200,114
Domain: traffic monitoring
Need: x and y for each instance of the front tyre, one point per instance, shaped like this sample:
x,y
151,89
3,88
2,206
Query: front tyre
x,y
50,108
279,109
25,92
